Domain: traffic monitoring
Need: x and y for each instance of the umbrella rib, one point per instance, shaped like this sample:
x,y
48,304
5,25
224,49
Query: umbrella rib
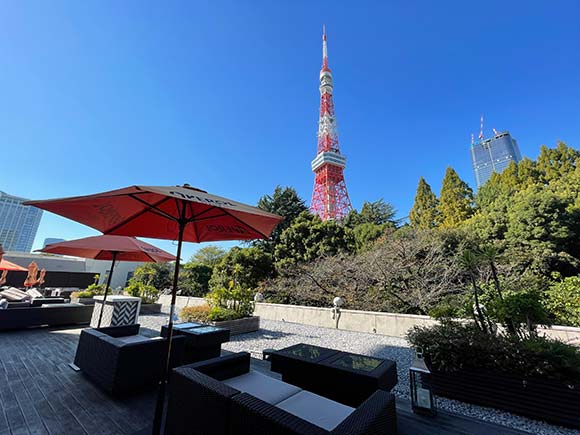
x,y
244,223
141,212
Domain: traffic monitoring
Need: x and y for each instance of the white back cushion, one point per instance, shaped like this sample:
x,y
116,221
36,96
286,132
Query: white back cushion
x,y
263,387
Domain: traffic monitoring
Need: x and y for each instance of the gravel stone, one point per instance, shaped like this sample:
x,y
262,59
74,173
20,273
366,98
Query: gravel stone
x,y
278,335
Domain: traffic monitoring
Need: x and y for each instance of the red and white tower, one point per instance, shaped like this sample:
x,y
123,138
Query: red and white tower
x,y
329,198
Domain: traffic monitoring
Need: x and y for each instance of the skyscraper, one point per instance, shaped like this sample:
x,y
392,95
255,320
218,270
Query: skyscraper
x,y
329,197
18,223
493,155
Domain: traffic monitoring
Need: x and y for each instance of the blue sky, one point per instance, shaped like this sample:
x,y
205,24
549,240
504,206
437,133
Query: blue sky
x,y
97,95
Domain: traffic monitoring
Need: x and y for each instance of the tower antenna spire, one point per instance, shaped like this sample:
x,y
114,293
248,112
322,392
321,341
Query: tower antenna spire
x,y
481,128
324,50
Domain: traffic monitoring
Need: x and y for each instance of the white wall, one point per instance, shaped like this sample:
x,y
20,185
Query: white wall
x,y
391,324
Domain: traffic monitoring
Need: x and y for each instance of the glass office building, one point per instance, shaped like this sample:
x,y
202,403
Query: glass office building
x,y
18,223
493,155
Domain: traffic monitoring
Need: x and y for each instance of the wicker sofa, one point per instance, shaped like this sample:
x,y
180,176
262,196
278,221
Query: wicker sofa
x,y
53,314
120,361
236,400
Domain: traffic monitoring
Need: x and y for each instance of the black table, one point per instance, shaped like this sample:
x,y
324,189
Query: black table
x,y
346,377
202,341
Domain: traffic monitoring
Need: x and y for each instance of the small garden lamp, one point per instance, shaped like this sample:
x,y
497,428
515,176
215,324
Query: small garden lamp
x,y
422,399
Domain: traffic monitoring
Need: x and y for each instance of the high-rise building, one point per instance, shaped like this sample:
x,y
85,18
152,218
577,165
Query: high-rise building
x,y
493,155
18,223
329,198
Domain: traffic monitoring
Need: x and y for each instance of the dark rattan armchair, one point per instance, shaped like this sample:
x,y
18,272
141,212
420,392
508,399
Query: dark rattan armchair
x,y
109,358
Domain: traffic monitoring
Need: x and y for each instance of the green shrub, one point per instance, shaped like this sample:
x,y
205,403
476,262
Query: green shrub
x,y
452,346
524,309
232,297
96,289
83,294
218,314
147,293
563,301
195,314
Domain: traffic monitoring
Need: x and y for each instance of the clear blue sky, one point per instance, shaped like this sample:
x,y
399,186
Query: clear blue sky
x,y
97,95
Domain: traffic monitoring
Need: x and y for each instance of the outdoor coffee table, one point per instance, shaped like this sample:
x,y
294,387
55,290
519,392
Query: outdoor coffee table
x,y
202,341
346,377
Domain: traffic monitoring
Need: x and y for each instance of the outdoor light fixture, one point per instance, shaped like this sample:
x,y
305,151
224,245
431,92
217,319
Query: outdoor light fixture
x,y
422,399
337,302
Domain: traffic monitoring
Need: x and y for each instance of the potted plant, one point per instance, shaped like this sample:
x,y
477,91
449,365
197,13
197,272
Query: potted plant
x,y
533,376
230,307
85,297
148,294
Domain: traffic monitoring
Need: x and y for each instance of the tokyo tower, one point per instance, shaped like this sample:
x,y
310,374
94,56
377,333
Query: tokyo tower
x,y
329,198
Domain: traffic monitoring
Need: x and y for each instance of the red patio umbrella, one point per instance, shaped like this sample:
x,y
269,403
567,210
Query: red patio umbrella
x,y
7,265
166,212
108,247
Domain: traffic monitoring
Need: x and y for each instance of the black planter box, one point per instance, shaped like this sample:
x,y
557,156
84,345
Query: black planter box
x,y
547,400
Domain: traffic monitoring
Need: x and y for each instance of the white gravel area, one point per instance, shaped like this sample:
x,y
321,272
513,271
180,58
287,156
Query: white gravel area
x,y
278,335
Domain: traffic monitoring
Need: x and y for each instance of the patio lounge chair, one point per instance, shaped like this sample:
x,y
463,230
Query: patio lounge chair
x,y
21,315
236,400
120,361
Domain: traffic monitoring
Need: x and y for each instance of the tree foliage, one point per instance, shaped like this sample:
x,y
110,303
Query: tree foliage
x,y
310,238
158,275
424,214
208,255
455,200
247,267
286,203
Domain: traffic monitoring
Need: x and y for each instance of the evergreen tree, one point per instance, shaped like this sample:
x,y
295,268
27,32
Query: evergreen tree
x,y
455,200
424,213
284,202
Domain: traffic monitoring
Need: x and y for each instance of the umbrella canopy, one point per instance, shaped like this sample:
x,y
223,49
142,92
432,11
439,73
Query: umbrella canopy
x,y
157,212
160,212
104,247
7,265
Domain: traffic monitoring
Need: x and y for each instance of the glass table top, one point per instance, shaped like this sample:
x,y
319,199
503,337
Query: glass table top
x,y
187,325
307,352
204,330
357,362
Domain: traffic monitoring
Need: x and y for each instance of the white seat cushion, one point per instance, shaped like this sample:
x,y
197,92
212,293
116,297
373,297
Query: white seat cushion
x,y
316,409
133,339
263,387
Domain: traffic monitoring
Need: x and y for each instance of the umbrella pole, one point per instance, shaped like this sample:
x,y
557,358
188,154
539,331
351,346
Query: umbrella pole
x,y
166,366
107,288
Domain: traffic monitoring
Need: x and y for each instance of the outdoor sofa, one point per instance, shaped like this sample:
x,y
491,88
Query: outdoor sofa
x,y
230,398
120,361
52,314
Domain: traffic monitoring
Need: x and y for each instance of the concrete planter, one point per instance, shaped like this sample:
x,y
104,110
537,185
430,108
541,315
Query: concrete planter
x,y
150,309
84,301
240,326
547,400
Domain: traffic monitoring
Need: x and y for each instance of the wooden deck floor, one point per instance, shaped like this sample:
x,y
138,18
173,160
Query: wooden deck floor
x,y
40,394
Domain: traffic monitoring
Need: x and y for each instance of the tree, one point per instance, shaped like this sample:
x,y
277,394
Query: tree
x,y
247,267
159,275
309,238
286,203
424,214
208,255
366,234
194,279
455,200
554,163
378,212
